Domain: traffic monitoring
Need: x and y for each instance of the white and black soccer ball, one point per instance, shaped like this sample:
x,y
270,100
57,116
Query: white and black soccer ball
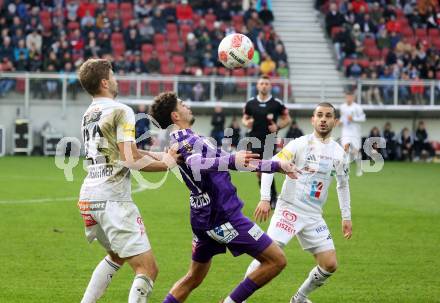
x,y
235,51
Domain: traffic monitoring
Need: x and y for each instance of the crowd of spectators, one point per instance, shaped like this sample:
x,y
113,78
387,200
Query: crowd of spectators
x,y
140,37
387,40
405,146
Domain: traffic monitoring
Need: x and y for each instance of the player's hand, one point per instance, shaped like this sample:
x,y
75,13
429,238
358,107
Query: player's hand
x,y
249,123
347,229
347,147
172,157
273,127
262,211
350,118
289,169
246,158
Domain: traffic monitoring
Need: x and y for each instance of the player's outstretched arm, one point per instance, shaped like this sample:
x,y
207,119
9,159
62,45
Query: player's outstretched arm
x,y
131,158
343,190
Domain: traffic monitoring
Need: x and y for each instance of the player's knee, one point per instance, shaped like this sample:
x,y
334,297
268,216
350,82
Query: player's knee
x,y
280,262
330,265
115,258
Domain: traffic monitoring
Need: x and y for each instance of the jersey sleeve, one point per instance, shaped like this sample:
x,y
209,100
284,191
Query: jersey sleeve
x,y
288,152
125,125
343,189
282,109
247,109
359,115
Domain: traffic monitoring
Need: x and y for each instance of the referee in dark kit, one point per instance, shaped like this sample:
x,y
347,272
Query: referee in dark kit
x,y
264,115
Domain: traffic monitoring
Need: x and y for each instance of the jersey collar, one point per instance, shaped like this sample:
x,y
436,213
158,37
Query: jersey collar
x,y
263,101
101,99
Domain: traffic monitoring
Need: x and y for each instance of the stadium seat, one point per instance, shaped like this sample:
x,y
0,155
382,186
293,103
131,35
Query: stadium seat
x,y
221,71
373,53
171,28
159,39
437,75
207,70
370,42
46,19
433,33
175,47
124,87
185,29
147,48
118,49
168,85
436,42
154,88
126,7
196,20
173,36
112,10
178,60
178,69
20,85
407,31
71,26
421,34
117,38
335,31
160,48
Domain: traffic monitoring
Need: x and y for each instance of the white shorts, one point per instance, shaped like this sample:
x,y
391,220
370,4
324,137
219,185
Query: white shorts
x,y
118,226
355,142
312,233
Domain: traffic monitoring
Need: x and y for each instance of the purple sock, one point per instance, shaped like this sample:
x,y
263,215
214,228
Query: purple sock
x,y
244,290
170,299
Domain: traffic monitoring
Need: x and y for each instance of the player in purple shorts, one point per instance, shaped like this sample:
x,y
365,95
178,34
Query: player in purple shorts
x,y
216,218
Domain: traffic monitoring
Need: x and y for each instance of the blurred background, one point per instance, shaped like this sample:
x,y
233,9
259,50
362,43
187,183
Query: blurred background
x,y
387,51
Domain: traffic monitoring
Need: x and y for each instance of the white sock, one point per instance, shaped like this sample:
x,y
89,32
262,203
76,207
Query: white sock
x,y
101,278
316,278
228,300
140,289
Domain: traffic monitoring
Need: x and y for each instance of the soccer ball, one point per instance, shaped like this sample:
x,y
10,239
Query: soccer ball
x,y
235,50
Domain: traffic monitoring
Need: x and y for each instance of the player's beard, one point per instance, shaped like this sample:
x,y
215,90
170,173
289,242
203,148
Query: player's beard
x,y
191,122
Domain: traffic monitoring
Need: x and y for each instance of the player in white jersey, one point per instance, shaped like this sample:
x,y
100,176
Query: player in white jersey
x,y
318,159
352,116
105,202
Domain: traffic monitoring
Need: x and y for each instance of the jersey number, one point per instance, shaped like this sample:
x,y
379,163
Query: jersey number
x,y
93,142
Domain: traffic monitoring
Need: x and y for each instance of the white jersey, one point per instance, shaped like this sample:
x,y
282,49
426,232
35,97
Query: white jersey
x,y
352,128
105,124
317,163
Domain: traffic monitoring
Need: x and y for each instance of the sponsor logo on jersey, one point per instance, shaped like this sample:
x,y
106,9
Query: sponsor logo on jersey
x,y
141,225
224,233
256,232
289,215
321,228
85,206
199,201
316,190
97,172
286,227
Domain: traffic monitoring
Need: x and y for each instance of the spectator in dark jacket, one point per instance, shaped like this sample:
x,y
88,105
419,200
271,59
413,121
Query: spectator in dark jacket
x,y
266,15
391,144
421,142
333,18
218,125
294,131
406,145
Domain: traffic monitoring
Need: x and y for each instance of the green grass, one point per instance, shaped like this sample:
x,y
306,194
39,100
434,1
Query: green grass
x,y
392,257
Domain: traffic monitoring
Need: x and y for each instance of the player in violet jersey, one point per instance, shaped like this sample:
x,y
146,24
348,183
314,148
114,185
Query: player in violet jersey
x,y
216,218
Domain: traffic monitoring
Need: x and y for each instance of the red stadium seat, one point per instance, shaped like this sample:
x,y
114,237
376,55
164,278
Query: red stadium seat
x,y
178,60
118,49
165,68
71,26
370,42
421,34
196,20
178,68
173,36
433,33
168,85
159,38
185,29
117,38
175,47
160,48
126,7
437,75
46,19
124,87
373,53
221,71
207,71
20,85
171,28
112,10
407,31
385,52
210,18
335,30
436,43
147,48
154,88
145,56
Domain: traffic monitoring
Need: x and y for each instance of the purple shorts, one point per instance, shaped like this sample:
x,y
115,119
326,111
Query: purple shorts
x,y
240,235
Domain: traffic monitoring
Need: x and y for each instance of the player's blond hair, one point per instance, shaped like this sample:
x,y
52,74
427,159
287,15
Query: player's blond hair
x,y
92,72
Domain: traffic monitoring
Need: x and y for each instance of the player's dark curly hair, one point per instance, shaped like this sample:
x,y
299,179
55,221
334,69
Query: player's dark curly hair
x,y
164,104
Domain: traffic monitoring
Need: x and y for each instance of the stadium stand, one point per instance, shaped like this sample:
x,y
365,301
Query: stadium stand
x,y
174,33
392,41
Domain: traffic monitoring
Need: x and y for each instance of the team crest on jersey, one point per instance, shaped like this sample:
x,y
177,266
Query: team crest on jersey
x,y
316,190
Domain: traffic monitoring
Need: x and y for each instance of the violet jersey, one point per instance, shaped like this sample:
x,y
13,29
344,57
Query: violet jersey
x,y
213,197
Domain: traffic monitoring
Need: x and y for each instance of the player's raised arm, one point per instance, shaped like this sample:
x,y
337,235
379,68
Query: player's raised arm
x,y
359,115
263,208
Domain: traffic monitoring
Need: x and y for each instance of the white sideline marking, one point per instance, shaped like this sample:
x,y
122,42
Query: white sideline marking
x,y
45,200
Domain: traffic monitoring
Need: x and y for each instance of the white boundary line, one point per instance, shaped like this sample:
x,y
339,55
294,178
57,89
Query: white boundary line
x,y
47,200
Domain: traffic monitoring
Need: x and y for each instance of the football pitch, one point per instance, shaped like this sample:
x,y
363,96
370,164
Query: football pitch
x,y
393,255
